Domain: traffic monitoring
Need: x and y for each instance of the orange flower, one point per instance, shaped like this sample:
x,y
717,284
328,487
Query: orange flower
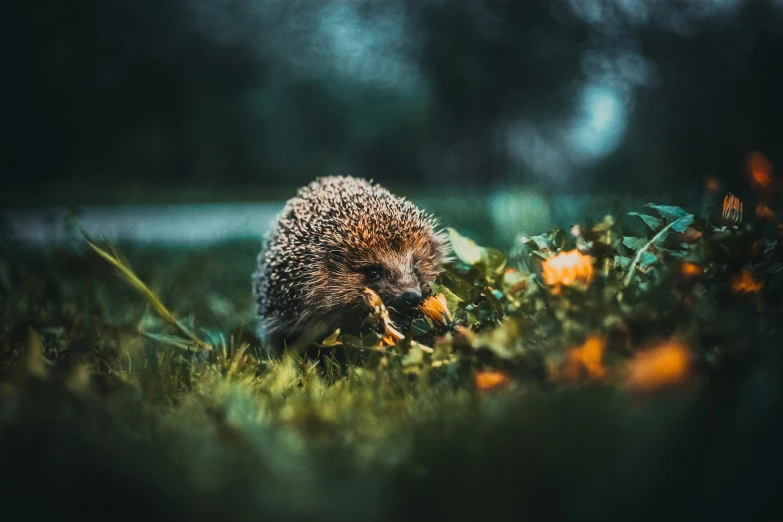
x,y
567,269
764,213
391,336
732,209
691,270
379,318
490,380
437,309
658,367
743,283
584,361
760,170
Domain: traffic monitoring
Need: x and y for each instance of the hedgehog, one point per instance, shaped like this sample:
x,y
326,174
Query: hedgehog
x,y
336,237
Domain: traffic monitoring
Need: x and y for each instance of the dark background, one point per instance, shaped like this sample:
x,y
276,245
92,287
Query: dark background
x,y
170,100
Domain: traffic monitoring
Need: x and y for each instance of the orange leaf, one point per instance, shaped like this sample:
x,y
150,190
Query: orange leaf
x,y
743,283
691,270
760,170
490,380
437,309
658,367
583,361
390,336
567,269
764,213
371,299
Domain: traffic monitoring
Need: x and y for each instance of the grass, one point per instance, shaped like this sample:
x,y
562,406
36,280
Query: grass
x,y
111,404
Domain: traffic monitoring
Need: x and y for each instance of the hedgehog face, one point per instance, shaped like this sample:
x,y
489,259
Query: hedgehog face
x,y
400,278
398,271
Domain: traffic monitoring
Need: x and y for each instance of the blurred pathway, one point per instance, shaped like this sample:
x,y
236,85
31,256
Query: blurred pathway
x,y
164,224
498,217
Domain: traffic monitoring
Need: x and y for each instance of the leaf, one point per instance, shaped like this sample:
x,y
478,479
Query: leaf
x,y
419,326
494,261
558,238
647,259
669,212
634,243
622,261
452,300
605,225
456,285
368,341
171,340
555,239
653,222
491,260
464,248
682,223
34,361
514,281
332,339
129,276
536,243
414,357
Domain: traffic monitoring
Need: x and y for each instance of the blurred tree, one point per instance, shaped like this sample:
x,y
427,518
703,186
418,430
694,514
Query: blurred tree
x,y
121,90
155,93
716,98
488,63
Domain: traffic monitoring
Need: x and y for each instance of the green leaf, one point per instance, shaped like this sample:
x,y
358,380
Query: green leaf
x,y
558,238
490,261
682,223
653,222
669,212
420,326
332,339
536,243
494,261
647,259
459,287
622,262
452,300
464,248
414,357
367,341
605,225
634,243
555,239
512,279
171,340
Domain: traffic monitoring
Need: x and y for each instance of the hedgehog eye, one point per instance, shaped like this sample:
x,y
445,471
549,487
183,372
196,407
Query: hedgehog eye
x,y
416,267
372,273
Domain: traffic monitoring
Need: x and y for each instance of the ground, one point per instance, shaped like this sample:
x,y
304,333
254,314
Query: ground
x,y
626,368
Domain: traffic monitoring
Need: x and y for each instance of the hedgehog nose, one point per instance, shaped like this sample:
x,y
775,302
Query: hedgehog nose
x,y
411,297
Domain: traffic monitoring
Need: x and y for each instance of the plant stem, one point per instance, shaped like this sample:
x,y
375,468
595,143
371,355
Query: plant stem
x,y
642,250
133,280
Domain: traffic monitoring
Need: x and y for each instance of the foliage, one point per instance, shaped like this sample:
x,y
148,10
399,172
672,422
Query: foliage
x,y
582,375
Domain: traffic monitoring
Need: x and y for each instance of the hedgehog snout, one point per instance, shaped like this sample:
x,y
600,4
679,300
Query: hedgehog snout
x,y
411,297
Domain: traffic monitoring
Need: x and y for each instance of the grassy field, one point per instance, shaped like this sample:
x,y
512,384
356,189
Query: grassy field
x,y
626,369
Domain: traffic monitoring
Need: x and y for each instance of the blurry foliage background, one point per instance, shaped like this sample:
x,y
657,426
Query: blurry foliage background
x,y
490,108
116,100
